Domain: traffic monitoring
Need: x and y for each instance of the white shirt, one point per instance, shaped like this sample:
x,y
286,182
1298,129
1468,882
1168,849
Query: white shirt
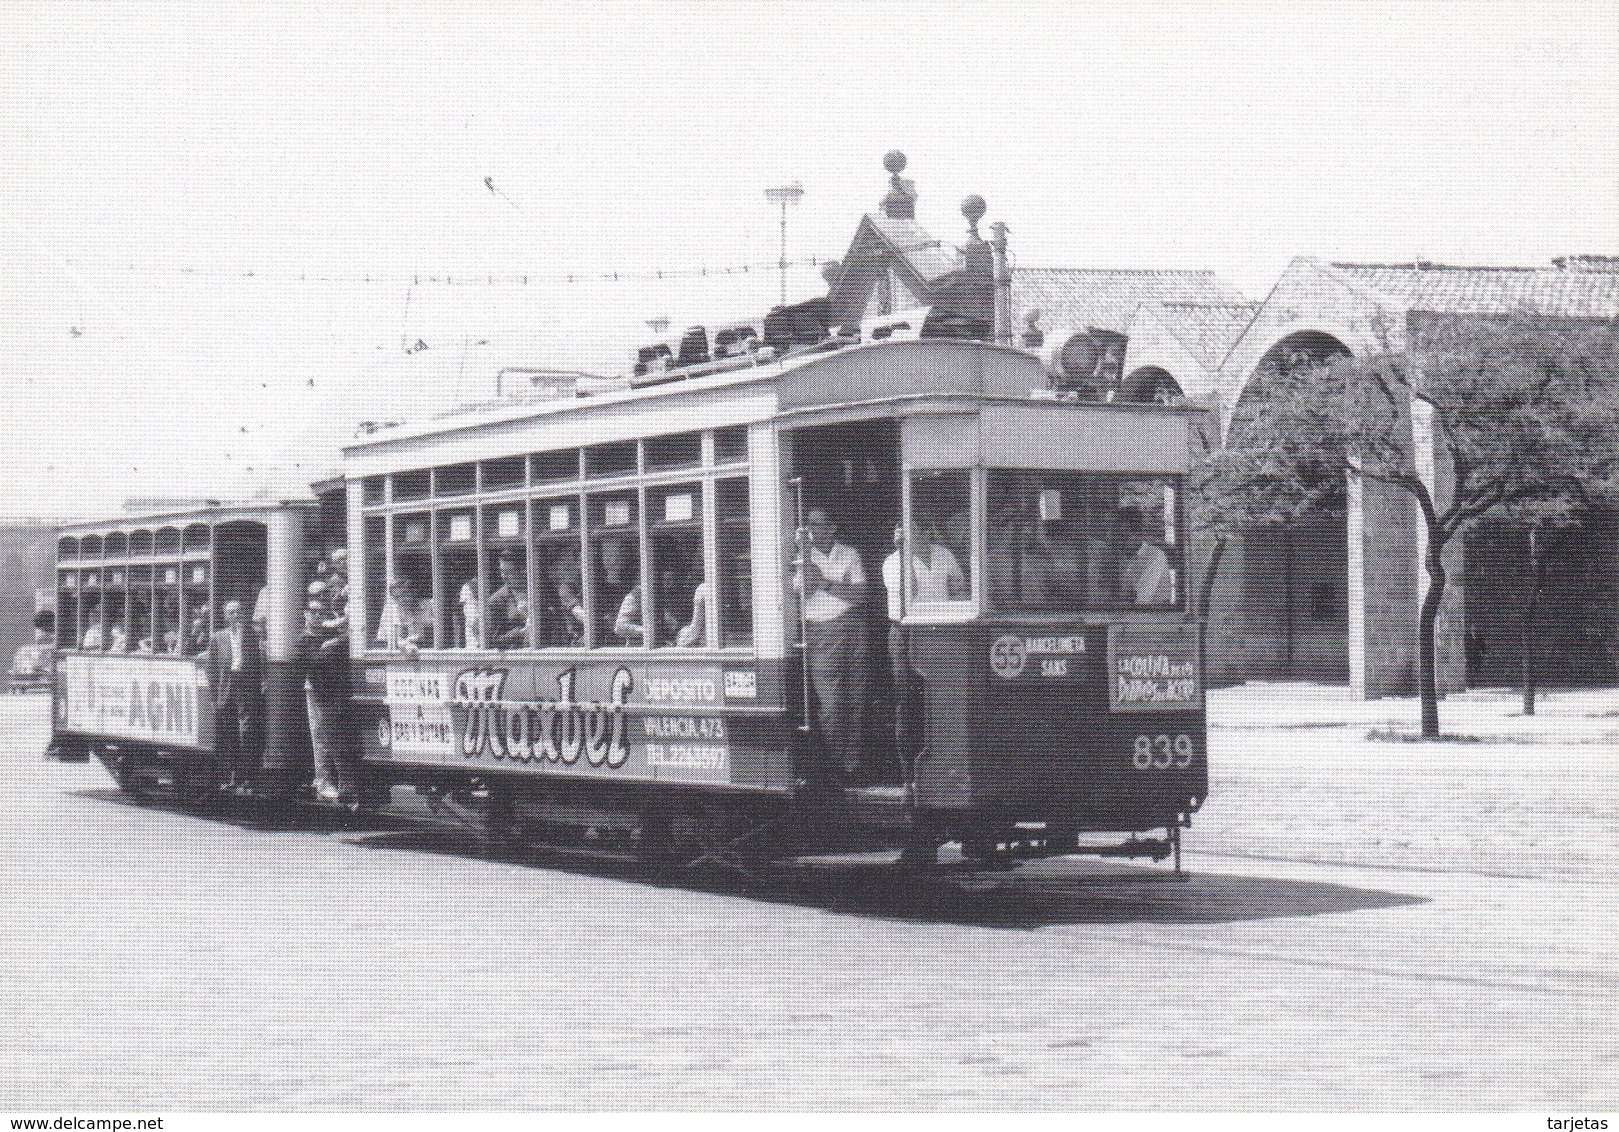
x,y
930,579
235,648
1149,574
840,566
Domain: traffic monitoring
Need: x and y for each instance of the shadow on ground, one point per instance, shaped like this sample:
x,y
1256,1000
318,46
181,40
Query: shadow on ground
x,y
1071,890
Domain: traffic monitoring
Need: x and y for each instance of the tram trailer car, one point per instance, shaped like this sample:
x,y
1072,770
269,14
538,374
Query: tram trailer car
x,y
1057,688
1060,686
139,599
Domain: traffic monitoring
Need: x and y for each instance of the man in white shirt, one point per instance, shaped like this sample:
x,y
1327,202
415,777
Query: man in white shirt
x,y
1149,577
407,621
935,575
831,583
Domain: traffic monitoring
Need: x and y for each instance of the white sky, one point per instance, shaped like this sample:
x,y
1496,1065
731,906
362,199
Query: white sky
x,y
153,155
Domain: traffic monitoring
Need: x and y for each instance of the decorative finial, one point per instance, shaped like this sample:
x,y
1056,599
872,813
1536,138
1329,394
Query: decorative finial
x,y
973,208
900,203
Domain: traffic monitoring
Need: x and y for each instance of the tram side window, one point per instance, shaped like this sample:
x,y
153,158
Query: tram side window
x,y
114,627
509,611
67,610
195,593
679,596
407,620
1061,540
734,539
376,570
461,615
141,637
615,563
90,631
940,539
166,636
559,601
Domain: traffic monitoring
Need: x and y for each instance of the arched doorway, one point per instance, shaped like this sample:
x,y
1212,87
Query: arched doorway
x,y
1281,605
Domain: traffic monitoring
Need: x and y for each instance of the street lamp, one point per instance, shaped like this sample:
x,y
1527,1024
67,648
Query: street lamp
x,y
787,194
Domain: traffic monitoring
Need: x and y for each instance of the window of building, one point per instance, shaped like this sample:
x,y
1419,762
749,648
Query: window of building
x,y
374,490
413,485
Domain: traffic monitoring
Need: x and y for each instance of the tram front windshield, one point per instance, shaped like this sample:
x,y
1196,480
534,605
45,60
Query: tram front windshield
x,y
1061,540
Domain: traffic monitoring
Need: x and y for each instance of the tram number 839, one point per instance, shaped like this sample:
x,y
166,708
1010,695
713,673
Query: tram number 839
x,y
1161,752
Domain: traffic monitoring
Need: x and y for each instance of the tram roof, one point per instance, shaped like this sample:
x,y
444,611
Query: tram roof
x,y
140,521
918,373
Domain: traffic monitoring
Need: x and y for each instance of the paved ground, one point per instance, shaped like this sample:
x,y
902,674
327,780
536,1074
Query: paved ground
x,y
1370,925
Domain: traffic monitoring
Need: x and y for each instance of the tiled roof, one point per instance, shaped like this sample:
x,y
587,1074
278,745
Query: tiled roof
x,y
1208,330
1074,298
1491,290
927,257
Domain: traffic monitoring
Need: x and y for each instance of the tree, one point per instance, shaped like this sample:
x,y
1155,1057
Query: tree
x,y
1523,414
1254,480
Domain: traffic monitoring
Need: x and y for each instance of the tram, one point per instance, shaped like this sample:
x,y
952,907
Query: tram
x,y
609,647
139,600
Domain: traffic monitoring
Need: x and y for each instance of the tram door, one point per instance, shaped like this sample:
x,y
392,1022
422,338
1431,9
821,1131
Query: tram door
x,y
852,471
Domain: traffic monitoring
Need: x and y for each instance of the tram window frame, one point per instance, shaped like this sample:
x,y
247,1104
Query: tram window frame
x,y
374,491
561,465
962,546
604,607
731,622
731,445
1096,549
507,473
413,485
453,553
612,460
668,525
451,480
557,610
579,480
673,451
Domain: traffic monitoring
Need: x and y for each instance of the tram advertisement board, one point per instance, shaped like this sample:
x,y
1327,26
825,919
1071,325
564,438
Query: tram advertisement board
x,y
151,698
1153,668
651,722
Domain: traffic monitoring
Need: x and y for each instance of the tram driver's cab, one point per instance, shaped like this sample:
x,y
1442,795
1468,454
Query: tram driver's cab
x,y
1020,555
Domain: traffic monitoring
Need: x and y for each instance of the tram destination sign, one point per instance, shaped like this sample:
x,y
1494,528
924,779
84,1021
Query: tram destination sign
x,y
627,721
1153,668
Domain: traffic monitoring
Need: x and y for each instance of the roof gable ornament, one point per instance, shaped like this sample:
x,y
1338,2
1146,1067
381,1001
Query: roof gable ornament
x,y
900,203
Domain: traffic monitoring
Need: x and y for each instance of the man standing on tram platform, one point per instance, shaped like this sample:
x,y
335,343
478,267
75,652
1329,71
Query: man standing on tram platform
x,y
235,664
831,583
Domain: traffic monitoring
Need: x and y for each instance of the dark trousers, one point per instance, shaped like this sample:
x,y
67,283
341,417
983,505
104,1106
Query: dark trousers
x,y
239,729
328,734
907,699
839,674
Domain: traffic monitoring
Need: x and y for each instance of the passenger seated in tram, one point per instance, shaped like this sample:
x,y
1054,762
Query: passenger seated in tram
x,y
406,624
470,629
171,641
615,580
197,633
694,633
561,610
1147,576
93,638
506,624
117,637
